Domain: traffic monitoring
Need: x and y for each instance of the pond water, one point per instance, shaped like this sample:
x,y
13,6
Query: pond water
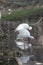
x,y
10,62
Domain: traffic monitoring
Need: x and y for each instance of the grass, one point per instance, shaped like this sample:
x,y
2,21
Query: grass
x,y
21,14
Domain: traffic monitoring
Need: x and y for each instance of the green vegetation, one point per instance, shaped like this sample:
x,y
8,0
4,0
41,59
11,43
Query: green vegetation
x,y
21,14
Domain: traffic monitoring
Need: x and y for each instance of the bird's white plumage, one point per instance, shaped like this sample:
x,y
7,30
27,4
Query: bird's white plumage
x,y
23,26
24,34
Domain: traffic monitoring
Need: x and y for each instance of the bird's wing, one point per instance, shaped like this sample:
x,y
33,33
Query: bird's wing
x,y
19,28
22,26
23,34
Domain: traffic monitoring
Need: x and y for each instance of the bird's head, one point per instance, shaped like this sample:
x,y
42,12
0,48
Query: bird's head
x,y
27,27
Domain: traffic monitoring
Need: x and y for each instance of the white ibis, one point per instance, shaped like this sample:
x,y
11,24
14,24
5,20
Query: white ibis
x,y
24,34
23,26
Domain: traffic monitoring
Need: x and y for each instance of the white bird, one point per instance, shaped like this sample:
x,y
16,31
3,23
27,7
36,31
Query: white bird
x,y
24,34
23,26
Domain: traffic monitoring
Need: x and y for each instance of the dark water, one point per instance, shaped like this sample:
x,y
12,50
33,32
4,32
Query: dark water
x,y
10,62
